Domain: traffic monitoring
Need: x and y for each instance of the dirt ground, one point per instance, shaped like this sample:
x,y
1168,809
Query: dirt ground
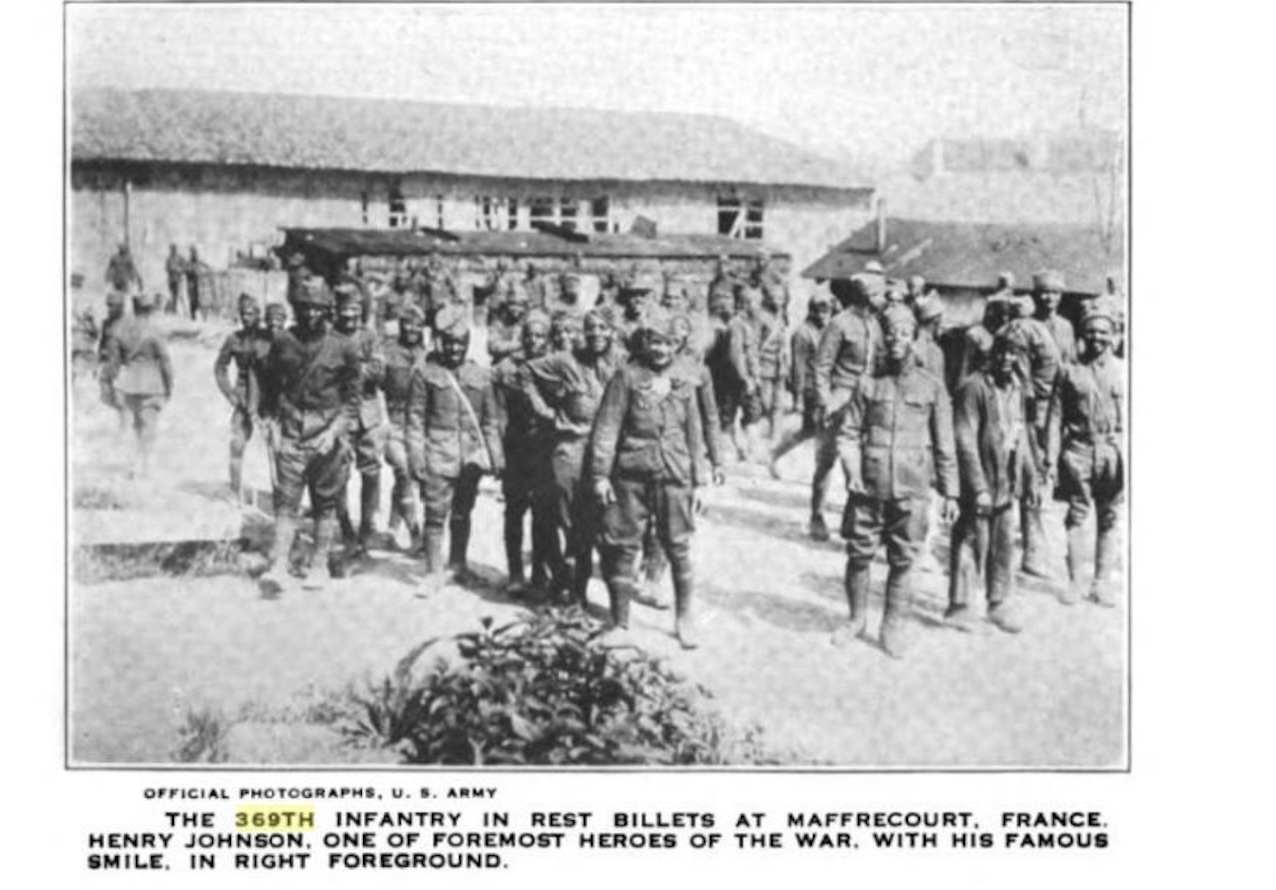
x,y
146,654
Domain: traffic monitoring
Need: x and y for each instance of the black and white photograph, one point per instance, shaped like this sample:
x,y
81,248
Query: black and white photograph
x,y
634,386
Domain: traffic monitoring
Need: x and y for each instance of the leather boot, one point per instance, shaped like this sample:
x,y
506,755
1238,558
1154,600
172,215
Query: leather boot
x,y
369,506
276,576
1103,589
348,533
458,545
326,551
684,608
582,570
1076,566
896,633
434,579
856,583
514,552
1035,562
619,591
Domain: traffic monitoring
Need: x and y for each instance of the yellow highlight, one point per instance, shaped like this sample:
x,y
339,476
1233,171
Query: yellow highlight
x,y
275,817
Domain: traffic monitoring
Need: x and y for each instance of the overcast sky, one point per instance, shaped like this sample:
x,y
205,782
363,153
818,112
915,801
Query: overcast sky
x,y
853,81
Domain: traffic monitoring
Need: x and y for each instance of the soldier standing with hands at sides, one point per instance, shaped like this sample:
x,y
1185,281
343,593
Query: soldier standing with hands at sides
x,y
997,461
453,439
311,387
247,349
367,435
402,355
1089,403
526,442
802,347
895,437
647,462
139,376
849,348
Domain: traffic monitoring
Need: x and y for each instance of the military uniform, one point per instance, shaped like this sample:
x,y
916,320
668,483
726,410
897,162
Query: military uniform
x,y
997,461
740,392
121,272
567,389
895,439
1090,404
140,375
802,348
527,442
451,444
401,361
647,442
368,433
772,358
247,350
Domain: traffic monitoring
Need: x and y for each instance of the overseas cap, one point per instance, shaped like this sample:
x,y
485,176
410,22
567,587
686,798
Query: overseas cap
x,y
247,301
1047,281
276,309
346,295
1012,338
537,317
451,321
929,308
315,292
897,315
413,314
819,298
1097,314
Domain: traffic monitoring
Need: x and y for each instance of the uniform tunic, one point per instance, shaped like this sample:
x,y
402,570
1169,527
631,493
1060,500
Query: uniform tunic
x,y
247,350
1090,405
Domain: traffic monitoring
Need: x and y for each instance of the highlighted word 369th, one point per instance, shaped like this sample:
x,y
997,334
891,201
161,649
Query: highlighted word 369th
x,y
275,817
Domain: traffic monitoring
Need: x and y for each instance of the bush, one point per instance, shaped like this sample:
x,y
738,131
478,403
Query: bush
x,y
546,690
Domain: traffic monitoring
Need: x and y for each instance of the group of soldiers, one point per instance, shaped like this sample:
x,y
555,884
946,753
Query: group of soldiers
x,y
184,275
603,422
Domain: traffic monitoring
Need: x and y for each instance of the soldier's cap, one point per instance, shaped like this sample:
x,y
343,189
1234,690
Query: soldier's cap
x,y
873,267
315,292
413,314
979,337
1011,339
452,321
247,301
565,318
537,317
819,298
598,315
346,295
1097,313
929,308
897,315
276,309
659,322
1048,281
1021,305
115,298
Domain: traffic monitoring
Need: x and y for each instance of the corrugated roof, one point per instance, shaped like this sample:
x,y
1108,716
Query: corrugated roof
x,y
971,255
394,136
406,242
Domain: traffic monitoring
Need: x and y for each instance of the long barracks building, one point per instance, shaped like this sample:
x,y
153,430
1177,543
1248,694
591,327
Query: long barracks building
x,y
227,172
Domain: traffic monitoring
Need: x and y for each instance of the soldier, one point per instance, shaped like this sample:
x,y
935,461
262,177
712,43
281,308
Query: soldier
x,y
174,269
311,387
722,285
1040,369
565,331
743,393
848,350
453,438
526,442
1047,289
114,317
772,358
895,438
997,462
775,290
139,375
1090,405
537,288
298,276
402,355
565,388
247,348
930,318
646,462
637,298
438,286
368,432
569,297
803,345
121,272
505,330
276,319
195,268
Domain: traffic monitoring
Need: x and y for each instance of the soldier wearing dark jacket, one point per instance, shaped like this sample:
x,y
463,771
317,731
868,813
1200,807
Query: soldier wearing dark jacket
x,y
139,377
646,460
453,439
504,331
849,348
1086,445
246,349
402,355
526,439
997,461
311,388
367,435
1047,291
895,440
565,388
930,355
